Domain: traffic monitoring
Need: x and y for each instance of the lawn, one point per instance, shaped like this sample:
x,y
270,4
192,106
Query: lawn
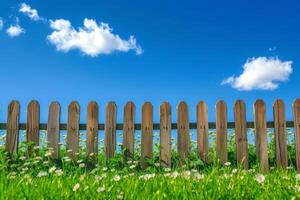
x,y
40,177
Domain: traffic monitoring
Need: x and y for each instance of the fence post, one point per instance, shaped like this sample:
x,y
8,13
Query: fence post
x,y
110,130
202,131
183,130
165,135
241,133
296,112
92,131
12,129
128,130
221,131
260,129
32,127
147,133
280,135
53,135
73,130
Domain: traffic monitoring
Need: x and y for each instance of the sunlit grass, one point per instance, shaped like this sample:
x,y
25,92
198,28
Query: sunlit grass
x,y
40,177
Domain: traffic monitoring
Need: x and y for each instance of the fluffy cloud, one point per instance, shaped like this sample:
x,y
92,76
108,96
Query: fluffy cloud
x,y
15,30
1,23
92,39
30,12
262,74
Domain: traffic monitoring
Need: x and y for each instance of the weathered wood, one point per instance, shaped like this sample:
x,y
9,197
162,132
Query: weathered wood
x,y
110,130
73,130
280,135
260,129
53,135
12,130
92,131
165,135
221,131
183,131
202,131
32,128
128,130
147,133
241,133
296,112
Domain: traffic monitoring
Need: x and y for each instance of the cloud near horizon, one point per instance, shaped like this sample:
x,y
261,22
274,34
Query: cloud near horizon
x,y
261,73
92,39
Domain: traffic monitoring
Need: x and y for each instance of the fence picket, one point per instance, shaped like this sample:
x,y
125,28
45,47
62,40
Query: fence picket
x,y
221,131
32,128
147,133
73,130
128,130
260,129
241,133
202,131
165,135
296,112
12,130
53,135
92,131
110,130
280,135
183,130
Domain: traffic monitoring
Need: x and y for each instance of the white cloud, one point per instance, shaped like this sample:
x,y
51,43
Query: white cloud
x,y
15,30
92,39
262,74
30,12
1,23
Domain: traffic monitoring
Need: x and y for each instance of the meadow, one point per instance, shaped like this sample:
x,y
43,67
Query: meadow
x,y
40,177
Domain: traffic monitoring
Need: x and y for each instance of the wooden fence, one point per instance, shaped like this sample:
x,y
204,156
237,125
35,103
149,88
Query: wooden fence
x,y
165,126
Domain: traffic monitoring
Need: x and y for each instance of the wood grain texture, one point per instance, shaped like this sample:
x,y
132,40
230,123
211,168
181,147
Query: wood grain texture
x,y
147,133
12,130
73,130
280,134
260,129
241,134
183,129
202,131
128,130
32,127
110,130
221,131
165,135
296,112
92,118
53,134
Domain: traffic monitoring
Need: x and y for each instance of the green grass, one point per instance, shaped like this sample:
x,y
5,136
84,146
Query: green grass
x,y
42,178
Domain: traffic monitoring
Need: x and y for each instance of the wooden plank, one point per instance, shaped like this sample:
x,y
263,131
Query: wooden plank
x,y
202,131
296,112
92,131
280,135
73,130
260,129
165,135
147,133
221,131
183,131
12,130
32,128
110,130
128,130
241,133
53,135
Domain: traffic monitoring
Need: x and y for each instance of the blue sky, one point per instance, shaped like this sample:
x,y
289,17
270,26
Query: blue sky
x,y
188,49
